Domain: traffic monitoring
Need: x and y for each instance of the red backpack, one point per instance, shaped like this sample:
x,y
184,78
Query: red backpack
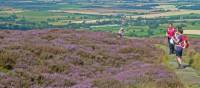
x,y
185,38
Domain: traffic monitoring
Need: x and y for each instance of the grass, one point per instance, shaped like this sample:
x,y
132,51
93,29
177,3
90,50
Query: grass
x,y
192,56
192,27
196,61
139,82
39,16
106,28
61,17
139,31
102,83
8,59
165,58
193,36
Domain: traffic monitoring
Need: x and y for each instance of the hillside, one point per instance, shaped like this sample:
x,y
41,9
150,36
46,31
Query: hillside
x,y
80,59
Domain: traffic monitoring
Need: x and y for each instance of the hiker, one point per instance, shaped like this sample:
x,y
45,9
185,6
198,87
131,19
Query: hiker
x,y
121,32
180,44
170,34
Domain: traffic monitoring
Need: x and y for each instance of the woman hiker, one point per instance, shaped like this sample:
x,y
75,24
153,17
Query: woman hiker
x,y
170,34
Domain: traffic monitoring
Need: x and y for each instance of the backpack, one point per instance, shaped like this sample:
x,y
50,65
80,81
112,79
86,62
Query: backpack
x,y
185,38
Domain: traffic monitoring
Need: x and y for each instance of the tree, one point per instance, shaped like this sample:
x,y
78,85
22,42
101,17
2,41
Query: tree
x,y
193,23
181,25
153,26
150,32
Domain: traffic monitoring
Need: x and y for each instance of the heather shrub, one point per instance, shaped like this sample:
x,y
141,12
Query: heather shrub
x,y
49,37
55,31
99,69
87,58
76,60
38,79
112,61
40,48
149,81
68,83
109,83
110,41
45,56
143,82
24,78
165,59
139,83
1,37
170,83
13,46
131,50
27,79
69,58
8,59
58,68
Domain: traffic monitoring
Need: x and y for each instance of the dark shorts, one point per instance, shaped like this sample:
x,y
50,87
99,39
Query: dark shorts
x,y
120,34
179,52
171,46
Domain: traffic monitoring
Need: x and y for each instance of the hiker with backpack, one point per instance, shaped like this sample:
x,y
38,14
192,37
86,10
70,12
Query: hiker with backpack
x,y
170,34
181,42
121,32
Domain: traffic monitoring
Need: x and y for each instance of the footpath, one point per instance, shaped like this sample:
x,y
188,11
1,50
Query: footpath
x,y
188,75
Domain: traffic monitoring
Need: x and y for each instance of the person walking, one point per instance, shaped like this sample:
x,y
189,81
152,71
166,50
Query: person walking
x,y
121,32
170,34
180,43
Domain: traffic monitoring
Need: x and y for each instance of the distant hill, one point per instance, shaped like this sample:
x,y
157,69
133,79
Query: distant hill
x,y
78,1
136,0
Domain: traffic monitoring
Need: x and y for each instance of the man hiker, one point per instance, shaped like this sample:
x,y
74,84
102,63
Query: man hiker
x,y
121,32
180,44
170,34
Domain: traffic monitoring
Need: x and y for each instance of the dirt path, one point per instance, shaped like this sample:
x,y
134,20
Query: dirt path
x,y
188,75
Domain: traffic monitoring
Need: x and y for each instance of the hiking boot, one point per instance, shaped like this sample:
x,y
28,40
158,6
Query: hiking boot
x,y
171,52
185,66
180,67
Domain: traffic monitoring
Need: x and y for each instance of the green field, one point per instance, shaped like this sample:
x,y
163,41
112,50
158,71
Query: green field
x,y
139,19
